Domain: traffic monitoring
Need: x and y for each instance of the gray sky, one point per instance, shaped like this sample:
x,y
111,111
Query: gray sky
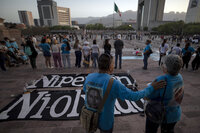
x,y
81,8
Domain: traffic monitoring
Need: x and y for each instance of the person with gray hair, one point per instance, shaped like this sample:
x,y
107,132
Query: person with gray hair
x,y
172,95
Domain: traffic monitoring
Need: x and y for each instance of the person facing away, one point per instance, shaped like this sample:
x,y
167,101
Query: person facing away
x,y
163,49
95,53
146,53
171,66
177,50
78,53
95,87
196,61
118,45
107,47
46,52
65,47
86,54
187,53
56,54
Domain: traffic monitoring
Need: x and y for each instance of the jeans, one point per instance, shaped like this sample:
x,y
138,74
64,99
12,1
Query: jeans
x,y
196,63
153,127
64,57
186,60
57,59
78,58
120,59
86,62
33,62
2,62
95,59
145,60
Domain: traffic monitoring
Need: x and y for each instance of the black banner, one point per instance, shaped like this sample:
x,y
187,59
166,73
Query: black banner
x,y
57,105
72,80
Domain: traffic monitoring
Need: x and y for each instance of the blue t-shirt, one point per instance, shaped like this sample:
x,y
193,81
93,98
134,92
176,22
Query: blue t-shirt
x,y
173,109
190,49
148,47
63,48
95,87
45,47
9,47
14,44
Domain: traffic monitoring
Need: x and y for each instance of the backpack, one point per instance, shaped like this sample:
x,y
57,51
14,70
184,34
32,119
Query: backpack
x,y
89,119
27,50
155,110
149,52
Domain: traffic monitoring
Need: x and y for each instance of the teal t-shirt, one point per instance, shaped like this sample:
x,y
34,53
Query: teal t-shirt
x,y
95,87
173,109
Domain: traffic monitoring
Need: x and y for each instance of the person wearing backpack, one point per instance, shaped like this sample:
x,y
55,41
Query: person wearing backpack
x,y
65,47
187,53
31,53
163,50
169,97
147,52
101,92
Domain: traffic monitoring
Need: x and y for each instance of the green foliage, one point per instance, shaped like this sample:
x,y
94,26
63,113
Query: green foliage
x,y
59,27
124,27
36,31
178,28
145,28
96,26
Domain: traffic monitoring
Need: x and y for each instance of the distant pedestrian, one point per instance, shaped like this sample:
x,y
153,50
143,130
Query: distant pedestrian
x,y
187,54
65,47
146,53
56,54
46,52
3,50
163,49
31,53
118,45
177,50
86,54
95,53
196,61
78,53
107,47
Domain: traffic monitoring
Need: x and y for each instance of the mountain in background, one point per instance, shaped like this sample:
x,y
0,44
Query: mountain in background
x,y
127,15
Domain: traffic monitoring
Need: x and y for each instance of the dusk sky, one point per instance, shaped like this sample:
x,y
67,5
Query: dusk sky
x,y
81,8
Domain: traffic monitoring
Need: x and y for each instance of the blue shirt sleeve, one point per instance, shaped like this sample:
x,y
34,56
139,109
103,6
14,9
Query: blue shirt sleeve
x,y
120,91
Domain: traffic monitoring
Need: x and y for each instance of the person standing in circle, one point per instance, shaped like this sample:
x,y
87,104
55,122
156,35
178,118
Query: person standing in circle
x,y
118,45
163,49
78,53
66,53
146,54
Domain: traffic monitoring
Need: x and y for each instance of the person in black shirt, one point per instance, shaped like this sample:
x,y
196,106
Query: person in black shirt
x,y
118,51
107,47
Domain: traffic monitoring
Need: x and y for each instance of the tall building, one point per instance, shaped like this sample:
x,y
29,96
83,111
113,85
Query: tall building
x,y
37,22
26,18
64,16
149,11
47,10
193,12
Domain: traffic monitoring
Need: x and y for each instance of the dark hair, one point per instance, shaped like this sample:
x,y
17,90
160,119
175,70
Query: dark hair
x,y
104,61
43,40
148,41
94,42
106,41
2,42
187,45
29,43
164,41
178,44
6,38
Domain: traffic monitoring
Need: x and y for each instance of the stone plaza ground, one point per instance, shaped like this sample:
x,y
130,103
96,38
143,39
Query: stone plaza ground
x,y
13,81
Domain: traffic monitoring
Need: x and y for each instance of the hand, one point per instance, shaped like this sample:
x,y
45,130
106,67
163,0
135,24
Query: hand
x,y
160,84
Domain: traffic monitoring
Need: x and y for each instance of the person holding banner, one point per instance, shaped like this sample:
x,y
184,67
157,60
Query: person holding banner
x,y
95,87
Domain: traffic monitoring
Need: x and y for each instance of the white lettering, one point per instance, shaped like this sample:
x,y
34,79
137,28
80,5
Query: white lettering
x,y
64,82
78,79
47,82
128,110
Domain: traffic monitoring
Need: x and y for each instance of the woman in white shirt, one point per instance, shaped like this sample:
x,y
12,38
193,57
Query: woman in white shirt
x,y
56,54
163,49
95,53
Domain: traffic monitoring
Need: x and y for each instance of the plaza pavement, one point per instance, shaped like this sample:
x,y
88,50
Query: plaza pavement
x,y
13,81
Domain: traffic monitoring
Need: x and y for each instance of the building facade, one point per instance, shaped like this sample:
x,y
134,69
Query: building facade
x,y
26,18
149,11
47,10
64,16
37,22
193,12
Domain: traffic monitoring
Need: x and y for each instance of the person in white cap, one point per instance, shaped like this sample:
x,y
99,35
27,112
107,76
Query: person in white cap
x,y
118,45
86,54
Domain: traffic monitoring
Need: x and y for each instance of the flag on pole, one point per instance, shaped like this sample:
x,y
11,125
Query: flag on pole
x,y
116,9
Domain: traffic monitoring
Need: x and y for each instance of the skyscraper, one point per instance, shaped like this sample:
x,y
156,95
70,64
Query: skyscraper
x,y
64,16
26,18
193,12
47,10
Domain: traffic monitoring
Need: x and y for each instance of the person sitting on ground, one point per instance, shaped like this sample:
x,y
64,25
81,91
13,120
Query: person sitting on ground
x,y
171,66
95,87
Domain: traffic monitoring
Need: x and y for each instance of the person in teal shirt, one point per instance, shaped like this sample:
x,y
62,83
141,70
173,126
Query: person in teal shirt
x,y
146,54
65,48
95,87
171,66
187,52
